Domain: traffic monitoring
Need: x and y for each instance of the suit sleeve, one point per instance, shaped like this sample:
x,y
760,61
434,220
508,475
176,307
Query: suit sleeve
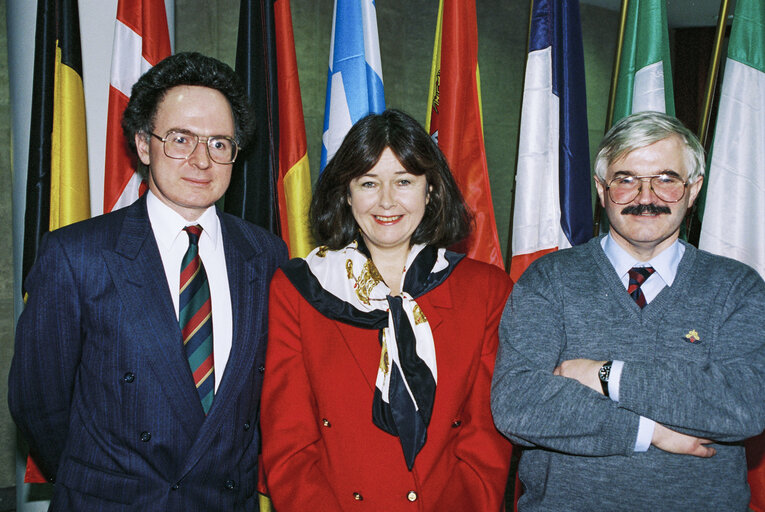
x,y
288,418
47,354
531,405
719,399
482,452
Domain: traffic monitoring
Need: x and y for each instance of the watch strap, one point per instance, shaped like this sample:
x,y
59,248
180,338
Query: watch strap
x,y
604,373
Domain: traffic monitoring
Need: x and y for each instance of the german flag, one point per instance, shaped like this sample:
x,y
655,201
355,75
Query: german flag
x,y
252,194
57,177
271,184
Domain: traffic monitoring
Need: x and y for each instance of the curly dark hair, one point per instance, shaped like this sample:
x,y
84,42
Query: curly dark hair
x,y
188,68
447,219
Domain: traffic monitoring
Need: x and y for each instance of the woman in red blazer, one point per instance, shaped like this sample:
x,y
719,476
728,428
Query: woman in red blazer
x,y
382,342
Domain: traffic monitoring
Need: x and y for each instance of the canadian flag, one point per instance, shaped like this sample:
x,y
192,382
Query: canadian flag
x,y
141,39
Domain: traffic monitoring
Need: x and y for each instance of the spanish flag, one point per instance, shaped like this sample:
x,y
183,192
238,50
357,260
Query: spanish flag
x,y
57,178
454,120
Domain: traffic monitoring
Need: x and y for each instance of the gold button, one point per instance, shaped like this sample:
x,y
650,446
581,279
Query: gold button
x,y
357,496
412,496
326,422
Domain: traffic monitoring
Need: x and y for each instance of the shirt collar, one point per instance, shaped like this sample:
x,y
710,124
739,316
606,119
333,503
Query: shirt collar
x,y
665,263
168,224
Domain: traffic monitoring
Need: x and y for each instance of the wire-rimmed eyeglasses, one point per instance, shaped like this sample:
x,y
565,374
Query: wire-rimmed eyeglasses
x,y
670,188
179,145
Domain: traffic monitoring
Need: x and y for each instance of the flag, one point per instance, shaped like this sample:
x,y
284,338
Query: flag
x,y
735,197
252,194
354,82
272,185
454,120
645,75
294,184
57,176
141,40
553,203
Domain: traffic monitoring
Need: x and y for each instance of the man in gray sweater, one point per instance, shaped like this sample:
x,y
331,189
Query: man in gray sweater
x,y
632,367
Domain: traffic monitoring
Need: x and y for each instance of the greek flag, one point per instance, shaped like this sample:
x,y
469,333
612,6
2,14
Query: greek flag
x,y
354,83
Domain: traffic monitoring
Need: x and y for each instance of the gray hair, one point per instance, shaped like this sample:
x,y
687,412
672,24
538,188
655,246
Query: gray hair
x,y
643,129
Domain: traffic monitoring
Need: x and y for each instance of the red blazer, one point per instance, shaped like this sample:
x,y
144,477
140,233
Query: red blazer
x,y
322,452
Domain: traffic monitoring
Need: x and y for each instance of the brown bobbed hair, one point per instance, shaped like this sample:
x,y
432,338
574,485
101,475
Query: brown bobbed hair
x,y
447,219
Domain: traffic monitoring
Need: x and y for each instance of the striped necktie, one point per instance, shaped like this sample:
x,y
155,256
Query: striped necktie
x,y
195,319
638,275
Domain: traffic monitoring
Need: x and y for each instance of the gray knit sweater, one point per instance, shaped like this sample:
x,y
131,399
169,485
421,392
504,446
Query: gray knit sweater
x,y
571,304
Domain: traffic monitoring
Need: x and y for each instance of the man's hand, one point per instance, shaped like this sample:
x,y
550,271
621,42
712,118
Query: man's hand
x,y
583,370
674,442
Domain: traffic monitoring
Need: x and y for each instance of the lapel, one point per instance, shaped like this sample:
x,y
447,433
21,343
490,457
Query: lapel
x,y
136,269
435,304
248,289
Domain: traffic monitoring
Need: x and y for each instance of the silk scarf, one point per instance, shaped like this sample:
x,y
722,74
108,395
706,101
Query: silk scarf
x,y
345,286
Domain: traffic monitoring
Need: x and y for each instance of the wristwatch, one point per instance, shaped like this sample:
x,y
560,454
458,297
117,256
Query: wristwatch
x,y
603,374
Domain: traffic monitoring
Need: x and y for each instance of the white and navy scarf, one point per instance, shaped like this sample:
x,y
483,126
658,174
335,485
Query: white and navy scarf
x,y
345,286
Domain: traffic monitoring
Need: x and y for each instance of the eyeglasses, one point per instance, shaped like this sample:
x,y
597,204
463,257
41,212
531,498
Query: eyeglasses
x,y
667,187
181,144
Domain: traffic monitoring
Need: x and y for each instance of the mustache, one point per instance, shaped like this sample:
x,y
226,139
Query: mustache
x,y
640,209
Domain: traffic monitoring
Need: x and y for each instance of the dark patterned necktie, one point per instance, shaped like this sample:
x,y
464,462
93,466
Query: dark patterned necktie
x,y
195,319
638,275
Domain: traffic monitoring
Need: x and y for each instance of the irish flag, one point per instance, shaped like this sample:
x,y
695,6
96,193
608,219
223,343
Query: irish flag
x,y
645,75
735,200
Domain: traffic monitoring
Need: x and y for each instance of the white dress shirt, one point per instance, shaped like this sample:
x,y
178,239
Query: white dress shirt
x,y
665,265
173,242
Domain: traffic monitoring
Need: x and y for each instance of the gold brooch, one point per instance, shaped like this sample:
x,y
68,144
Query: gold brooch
x,y
692,336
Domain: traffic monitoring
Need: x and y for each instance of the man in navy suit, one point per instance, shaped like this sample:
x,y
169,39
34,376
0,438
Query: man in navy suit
x,y
101,385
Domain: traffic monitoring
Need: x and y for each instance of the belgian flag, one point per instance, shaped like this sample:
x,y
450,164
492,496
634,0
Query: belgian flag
x,y
57,176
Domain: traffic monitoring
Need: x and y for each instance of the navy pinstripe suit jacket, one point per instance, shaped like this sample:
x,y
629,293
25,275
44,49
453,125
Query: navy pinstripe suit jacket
x,y
100,386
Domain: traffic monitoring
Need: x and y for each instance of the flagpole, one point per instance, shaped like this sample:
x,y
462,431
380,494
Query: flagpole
x,y
612,98
714,69
509,251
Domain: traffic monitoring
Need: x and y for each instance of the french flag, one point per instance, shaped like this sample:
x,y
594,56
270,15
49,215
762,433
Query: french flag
x,y
553,205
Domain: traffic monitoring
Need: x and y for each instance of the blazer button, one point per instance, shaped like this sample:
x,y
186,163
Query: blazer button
x,y
456,423
261,368
411,496
326,423
128,377
357,496
230,485
145,436
247,426
175,487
